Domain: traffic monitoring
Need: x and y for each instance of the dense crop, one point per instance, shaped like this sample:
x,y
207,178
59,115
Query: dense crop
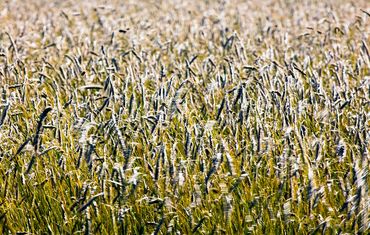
x,y
180,117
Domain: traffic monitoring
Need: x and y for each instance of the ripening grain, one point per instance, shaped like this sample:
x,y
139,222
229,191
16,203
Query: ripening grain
x,y
181,117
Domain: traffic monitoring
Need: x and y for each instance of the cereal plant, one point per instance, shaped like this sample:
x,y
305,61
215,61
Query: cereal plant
x,y
184,117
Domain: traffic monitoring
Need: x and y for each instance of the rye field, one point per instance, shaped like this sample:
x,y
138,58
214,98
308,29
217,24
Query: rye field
x,y
184,117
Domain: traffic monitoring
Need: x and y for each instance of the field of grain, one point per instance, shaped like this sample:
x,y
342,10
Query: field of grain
x,y
184,117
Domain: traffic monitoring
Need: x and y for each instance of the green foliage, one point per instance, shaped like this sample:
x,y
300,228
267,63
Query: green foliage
x,y
171,117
